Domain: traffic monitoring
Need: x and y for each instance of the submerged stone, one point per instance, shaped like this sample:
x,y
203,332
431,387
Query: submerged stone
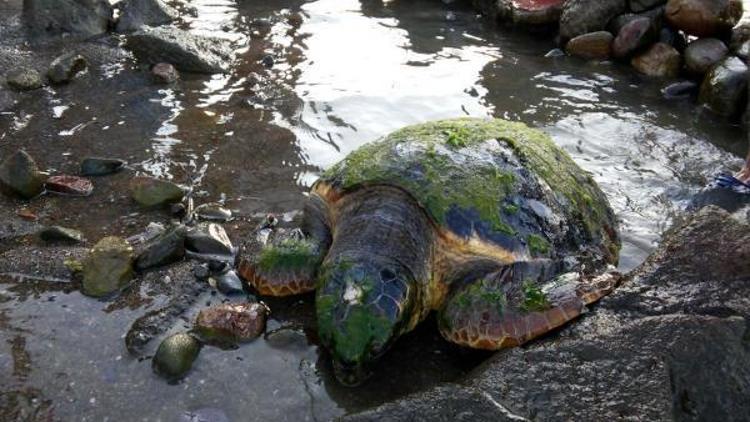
x,y
24,79
19,175
151,192
680,90
69,185
60,234
166,248
95,166
232,323
175,355
164,73
64,68
108,267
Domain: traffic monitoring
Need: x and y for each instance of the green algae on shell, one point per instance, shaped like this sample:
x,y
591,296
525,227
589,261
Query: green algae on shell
x,y
480,166
288,254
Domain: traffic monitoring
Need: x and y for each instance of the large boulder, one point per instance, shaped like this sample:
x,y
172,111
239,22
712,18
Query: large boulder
x,y
704,18
669,344
136,13
703,53
724,89
584,16
660,61
186,51
82,17
591,46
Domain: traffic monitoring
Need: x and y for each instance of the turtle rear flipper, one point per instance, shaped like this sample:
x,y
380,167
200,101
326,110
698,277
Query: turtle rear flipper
x,y
504,310
285,262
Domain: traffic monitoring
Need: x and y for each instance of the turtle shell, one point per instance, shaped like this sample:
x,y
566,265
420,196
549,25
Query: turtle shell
x,y
500,183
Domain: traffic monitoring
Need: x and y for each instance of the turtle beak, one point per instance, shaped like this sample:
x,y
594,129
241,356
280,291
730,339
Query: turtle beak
x,y
350,374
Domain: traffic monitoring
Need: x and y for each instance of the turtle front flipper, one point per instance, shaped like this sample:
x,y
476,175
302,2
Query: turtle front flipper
x,y
287,262
503,309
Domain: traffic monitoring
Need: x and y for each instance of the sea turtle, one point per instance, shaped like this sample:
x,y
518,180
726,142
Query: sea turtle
x,y
487,222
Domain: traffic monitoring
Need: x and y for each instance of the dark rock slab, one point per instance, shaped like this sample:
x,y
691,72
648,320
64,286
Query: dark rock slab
x,y
83,17
165,249
186,51
95,166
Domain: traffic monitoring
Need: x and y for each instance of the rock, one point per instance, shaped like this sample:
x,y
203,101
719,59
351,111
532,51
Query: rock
x,y
633,36
108,267
213,211
724,88
164,249
186,51
555,52
615,25
743,51
83,17
136,13
724,198
228,283
64,68
94,166
268,61
680,90
704,18
164,73
534,12
209,240
175,355
669,344
231,323
661,61
591,46
69,185
583,16
24,79
7,99
60,234
702,54
19,175
674,38
643,5
740,36
151,192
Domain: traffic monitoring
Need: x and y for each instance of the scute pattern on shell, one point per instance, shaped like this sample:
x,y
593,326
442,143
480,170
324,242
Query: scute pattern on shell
x,y
498,181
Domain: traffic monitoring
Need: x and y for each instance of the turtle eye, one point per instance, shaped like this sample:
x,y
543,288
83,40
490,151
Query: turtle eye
x,y
387,275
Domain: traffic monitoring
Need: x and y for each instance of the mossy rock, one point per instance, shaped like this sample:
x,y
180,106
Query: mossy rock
x,y
502,181
20,176
151,192
175,355
108,267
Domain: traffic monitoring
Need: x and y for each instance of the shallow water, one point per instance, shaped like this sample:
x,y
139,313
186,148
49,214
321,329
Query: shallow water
x,y
345,73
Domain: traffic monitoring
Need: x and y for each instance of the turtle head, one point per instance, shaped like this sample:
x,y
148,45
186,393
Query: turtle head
x,y
361,308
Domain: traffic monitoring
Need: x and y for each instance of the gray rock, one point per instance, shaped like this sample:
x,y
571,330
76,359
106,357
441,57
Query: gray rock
x,y
108,268
24,79
83,17
594,45
64,68
7,99
228,283
94,166
164,73
584,16
213,211
703,53
19,175
164,249
669,344
151,192
642,5
175,355
724,88
210,241
187,52
633,36
60,234
136,13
